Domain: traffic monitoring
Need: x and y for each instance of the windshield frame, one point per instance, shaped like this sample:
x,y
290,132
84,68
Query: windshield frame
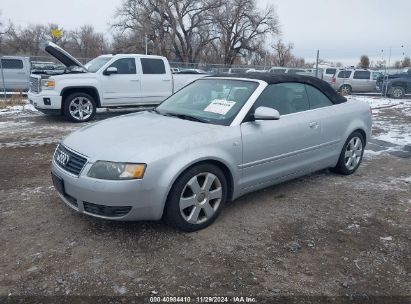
x,y
241,112
106,58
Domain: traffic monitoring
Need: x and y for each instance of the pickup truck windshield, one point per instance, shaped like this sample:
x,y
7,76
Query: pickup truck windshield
x,y
215,101
95,64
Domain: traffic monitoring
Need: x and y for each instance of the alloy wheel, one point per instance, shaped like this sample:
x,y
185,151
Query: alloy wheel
x,y
81,108
345,90
397,93
200,198
353,153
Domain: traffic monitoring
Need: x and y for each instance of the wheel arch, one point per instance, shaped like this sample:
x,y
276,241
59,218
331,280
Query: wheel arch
x,y
219,163
362,132
92,91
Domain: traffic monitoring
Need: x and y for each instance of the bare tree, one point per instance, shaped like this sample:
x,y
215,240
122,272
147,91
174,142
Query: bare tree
x,y
283,53
242,27
364,62
26,40
85,42
183,26
406,62
397,65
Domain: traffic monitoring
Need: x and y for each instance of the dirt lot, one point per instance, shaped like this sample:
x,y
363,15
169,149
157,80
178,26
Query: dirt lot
x,y
323,234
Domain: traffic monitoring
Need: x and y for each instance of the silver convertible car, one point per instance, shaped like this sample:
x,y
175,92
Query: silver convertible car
x,y
211,142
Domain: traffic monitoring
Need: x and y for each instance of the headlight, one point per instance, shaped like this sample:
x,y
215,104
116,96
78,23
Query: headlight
x,y
116,171
48,84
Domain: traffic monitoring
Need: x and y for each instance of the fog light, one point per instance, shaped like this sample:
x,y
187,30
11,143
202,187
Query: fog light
x,y
47,101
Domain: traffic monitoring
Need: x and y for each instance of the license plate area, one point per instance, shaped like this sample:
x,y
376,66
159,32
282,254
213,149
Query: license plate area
x,y
58,183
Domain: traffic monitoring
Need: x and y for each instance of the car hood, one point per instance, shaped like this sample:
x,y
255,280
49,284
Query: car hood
x,y
61,55
141,137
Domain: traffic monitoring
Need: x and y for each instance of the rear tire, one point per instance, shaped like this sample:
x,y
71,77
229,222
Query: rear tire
x,y
196,198
351,154
345,89
79,107
397,92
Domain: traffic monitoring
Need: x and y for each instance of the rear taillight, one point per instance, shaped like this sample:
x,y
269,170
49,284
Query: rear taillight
x,y
333,80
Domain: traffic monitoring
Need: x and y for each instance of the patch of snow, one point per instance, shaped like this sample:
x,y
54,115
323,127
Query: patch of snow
x,y
18,109
377,102
398,131
387,238
30,143
119,289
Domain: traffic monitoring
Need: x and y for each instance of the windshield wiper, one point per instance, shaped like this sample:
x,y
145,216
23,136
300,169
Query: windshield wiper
x,y
186,117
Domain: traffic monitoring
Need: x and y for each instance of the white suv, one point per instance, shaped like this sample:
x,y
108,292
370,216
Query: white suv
x,y
359,80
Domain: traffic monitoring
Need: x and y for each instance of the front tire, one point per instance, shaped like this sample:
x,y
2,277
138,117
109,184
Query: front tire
x,y
351,154
79,107
196,198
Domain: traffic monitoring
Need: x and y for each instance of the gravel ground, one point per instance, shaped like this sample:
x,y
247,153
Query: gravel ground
x,y
322,234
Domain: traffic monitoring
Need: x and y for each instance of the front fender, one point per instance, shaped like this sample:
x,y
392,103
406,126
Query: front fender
x,y
165,172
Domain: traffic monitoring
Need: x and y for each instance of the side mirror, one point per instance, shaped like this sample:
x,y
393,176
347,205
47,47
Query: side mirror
x,y
110,70
264,113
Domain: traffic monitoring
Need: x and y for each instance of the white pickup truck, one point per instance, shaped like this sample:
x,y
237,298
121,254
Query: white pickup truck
x,y
121,80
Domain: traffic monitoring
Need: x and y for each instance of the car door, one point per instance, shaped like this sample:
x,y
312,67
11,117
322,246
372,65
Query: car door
x,y
15,75
333,125
277,149
362,81
156,80
123,87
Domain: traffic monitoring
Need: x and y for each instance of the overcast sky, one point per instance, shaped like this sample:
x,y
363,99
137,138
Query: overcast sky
x,y
342,30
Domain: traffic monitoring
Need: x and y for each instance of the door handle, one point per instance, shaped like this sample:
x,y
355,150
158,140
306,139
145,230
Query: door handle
x,y
313,125
135,80
166,79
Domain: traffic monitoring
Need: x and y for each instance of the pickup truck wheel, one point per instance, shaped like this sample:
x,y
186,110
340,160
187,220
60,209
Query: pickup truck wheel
x,y
79,107
351,154
345,89
397,92
196,198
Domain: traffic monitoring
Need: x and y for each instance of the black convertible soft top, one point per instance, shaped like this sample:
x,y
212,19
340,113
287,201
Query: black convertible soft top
x,y
272,79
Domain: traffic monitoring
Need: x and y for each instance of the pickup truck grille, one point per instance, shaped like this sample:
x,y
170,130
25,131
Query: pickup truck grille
x,y
68,160
35,84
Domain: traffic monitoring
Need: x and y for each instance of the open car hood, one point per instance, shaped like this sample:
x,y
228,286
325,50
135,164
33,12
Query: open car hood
x,y
61,55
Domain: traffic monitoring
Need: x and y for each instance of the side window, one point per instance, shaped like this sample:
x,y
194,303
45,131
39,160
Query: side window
x,y
362,75
344,74
286,98
317,98
330,71
376,75
12,64
153,66
125,66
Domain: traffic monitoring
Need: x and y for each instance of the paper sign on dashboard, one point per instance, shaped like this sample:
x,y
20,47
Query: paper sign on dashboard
x,y
220,106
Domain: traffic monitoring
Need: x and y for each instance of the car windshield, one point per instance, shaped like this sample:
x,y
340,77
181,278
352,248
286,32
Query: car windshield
x,y
95,64
215,101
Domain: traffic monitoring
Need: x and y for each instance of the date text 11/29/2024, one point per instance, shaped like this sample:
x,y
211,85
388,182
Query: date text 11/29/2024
x,y
201,299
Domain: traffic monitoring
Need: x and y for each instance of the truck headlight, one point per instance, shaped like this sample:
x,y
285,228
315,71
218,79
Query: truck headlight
x,y
116,171
48,84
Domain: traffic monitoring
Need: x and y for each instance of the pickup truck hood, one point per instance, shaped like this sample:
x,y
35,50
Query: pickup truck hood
x,y
142,137
61,55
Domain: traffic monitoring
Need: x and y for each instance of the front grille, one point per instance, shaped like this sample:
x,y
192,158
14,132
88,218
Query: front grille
x,y
35,84
108,211
69,161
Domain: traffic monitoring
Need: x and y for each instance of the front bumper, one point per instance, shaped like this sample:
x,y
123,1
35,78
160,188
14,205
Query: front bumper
x,y
46,101
127,200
